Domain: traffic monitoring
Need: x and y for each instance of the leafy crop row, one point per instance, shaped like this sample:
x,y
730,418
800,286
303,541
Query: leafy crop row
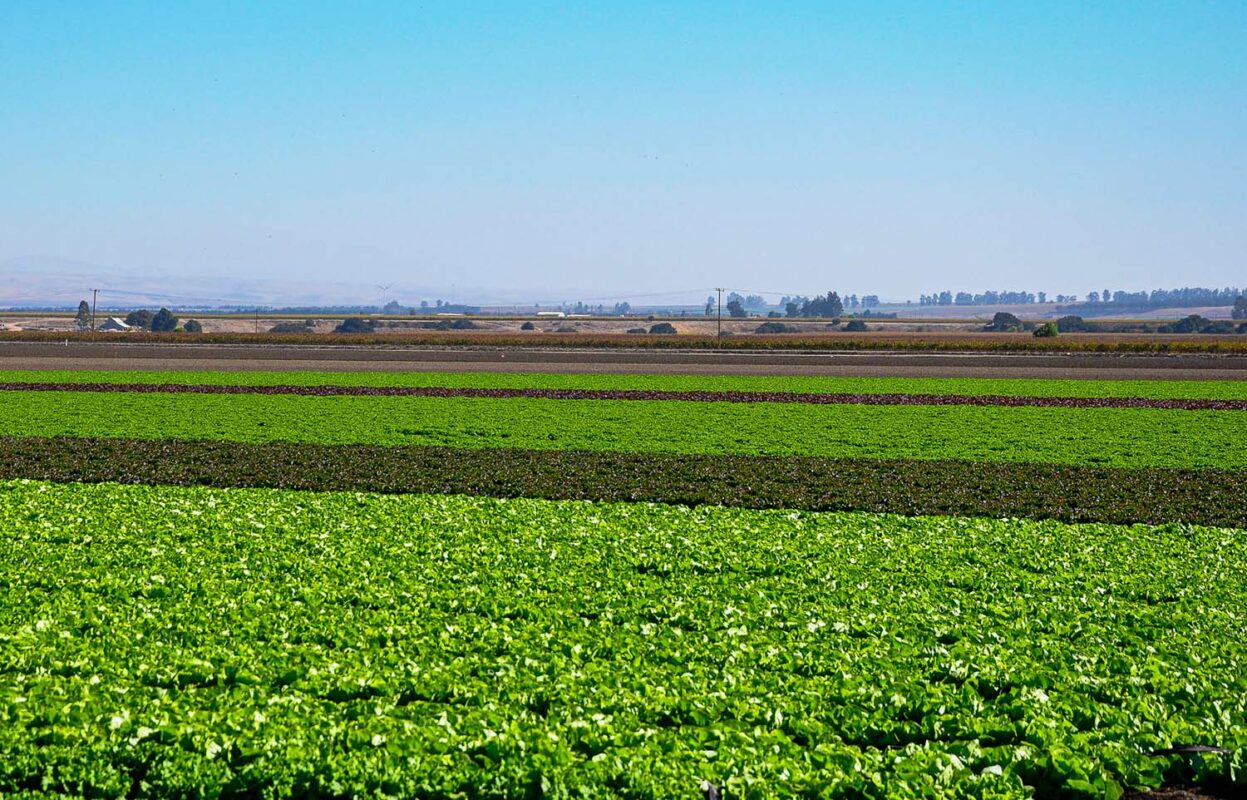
x,y
1040,491
1106,437
641,395
1022,387
192,642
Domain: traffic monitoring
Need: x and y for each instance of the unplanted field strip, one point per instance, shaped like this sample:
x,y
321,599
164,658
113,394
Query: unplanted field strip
x,y
838,398
947,487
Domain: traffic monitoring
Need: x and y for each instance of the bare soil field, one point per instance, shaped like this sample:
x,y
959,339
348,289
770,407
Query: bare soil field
x,y
121,356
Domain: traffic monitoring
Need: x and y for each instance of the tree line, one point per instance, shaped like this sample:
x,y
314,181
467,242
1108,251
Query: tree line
x,y
1157,298
162,321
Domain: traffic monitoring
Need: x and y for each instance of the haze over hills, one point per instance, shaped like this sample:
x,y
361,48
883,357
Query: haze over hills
x,y
45,282
41,282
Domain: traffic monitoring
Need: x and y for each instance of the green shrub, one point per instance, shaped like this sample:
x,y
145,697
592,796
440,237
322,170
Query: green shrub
x,y
1046,330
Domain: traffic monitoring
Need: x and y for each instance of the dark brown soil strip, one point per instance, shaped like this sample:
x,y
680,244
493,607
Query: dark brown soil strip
x,y
876,399
1076,494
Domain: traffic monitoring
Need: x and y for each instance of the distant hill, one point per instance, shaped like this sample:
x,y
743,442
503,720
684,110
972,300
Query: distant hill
x,y
42,282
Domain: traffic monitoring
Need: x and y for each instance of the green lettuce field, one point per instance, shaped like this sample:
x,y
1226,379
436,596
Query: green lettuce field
x,y
249,642
1212,390
1108,436
283,595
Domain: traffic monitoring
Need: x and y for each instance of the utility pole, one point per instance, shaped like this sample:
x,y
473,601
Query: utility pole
x,y
95,295
718,334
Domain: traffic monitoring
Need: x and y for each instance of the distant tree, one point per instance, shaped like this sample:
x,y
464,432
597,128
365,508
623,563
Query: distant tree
x,y
287,327
1043,297
356,325
1093,298
83,320
774,314
1004,321
451,325
140,319
623,308
1240,308
776,327
791,309
1046,330
393,309
192,326
1191,324
528,326
855,326
1106,295
163,321
1071,323
709,306
755,301
736,309
665,328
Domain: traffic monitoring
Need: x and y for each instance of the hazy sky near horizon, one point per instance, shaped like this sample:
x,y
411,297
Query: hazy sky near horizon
x,y
894,148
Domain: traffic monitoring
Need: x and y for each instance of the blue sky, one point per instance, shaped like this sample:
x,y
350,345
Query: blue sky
x,y
603,148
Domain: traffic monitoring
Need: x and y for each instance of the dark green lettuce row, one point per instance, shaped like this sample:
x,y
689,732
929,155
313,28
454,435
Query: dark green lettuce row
x,y
948,487
840,398
1009,387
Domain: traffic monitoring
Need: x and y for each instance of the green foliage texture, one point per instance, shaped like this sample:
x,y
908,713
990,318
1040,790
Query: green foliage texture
x,y
1106,437
204,643
1165,389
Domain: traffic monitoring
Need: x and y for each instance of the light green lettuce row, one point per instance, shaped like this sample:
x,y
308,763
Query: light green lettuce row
x,y
189,642
1108,437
